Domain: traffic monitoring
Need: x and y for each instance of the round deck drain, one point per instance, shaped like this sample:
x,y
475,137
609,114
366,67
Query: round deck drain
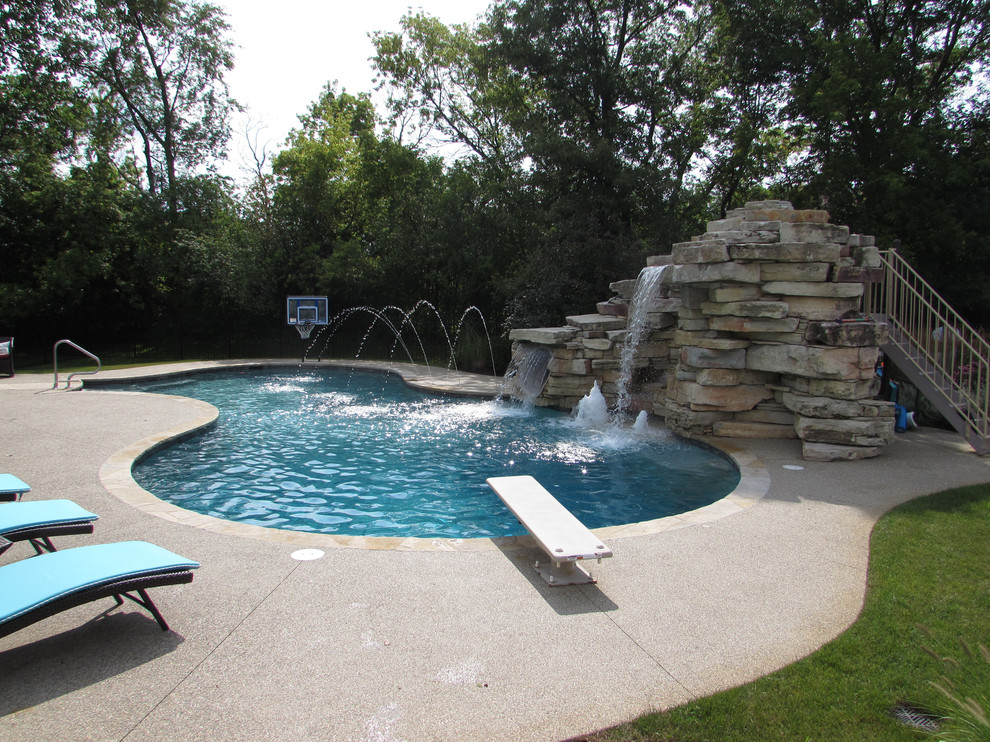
x,y
306,555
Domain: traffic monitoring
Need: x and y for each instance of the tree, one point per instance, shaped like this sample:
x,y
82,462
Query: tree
x,y
317,200
161,65
872,88
43,113
617,109
890,106
445,89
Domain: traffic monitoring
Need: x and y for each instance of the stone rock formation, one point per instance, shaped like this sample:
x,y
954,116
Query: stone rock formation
x,y
754,331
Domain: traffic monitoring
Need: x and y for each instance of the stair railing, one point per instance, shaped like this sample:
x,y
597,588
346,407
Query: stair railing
x,y
70,377
946,349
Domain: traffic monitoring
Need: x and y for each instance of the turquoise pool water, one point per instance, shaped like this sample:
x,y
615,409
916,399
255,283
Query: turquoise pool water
x,y
362,454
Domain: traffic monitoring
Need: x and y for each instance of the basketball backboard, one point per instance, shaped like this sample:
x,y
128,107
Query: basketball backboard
x,y
307,310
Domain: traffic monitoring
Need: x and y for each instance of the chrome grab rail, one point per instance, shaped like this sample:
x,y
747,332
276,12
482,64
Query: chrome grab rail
x,y
70,377
946,349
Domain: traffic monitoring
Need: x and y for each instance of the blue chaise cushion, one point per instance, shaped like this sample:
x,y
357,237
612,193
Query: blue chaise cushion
x,y
17,515
30,583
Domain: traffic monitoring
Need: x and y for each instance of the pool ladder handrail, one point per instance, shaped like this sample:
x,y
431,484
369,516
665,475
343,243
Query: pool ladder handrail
x,y
70,377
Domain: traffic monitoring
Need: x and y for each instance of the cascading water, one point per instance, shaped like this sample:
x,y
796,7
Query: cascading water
x,y
592,410
649,286
527,373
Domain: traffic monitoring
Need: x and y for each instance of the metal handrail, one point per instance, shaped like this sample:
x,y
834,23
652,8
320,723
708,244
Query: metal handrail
x,y
70,377
946,349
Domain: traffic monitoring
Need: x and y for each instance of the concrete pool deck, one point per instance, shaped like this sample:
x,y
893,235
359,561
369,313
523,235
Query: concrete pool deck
x,y
429,644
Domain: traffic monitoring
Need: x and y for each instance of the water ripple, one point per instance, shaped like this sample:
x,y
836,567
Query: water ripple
x,y
343,452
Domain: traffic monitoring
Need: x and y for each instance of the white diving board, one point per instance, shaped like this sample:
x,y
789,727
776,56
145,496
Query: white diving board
x,y
563,537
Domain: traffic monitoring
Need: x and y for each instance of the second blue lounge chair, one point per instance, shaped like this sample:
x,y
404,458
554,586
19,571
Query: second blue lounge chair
x,y
38,521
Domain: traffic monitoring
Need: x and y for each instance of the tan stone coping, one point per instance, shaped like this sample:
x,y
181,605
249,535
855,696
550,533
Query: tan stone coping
x,y
116,477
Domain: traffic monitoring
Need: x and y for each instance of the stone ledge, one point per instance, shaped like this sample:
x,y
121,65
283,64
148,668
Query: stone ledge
x,y
849,334
742,237
702,340
818,362
741,429
696,357
821,308
829,407
715,272
813,233
831,452
730,377
794,271
819,289
754,325
596,322
788,252
613,308
625,289
755,309
709,251
872,432
544,335
720,398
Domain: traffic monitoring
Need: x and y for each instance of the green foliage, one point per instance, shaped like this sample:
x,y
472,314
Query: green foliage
x,y
965,686
443,81
577,138
159,65
888,103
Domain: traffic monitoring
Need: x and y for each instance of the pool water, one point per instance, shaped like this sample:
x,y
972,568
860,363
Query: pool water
x,y
359,453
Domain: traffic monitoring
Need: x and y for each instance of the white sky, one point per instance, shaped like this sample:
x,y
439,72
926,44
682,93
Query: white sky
x,y
287,50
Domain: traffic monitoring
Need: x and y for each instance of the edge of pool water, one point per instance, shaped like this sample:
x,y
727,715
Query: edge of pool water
x,y
116,472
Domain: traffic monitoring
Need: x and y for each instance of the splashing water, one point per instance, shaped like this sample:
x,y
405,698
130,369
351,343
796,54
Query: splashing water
x,y
397,324
362,454
592,411
641,425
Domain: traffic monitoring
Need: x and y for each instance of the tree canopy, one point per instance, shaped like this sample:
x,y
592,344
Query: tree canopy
x,y
518,165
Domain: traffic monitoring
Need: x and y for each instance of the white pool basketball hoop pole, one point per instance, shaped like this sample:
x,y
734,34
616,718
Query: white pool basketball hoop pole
x,y
306,312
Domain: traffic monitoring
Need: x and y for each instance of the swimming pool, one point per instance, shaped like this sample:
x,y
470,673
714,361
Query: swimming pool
x,y
358,453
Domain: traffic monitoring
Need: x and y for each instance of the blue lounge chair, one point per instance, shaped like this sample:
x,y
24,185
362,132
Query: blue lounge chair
x,y
36,588
11,488
37,522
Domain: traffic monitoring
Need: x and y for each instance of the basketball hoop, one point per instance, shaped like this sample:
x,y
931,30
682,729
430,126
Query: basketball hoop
x,y
306,312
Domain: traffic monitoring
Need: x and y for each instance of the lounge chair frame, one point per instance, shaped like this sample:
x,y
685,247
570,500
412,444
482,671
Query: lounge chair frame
x,y
40,532
40,536
118,589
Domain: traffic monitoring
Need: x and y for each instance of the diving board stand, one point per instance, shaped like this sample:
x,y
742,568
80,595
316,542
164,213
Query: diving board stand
x,y
563,537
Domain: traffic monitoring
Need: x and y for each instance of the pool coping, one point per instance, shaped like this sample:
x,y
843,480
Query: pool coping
x,y
116,471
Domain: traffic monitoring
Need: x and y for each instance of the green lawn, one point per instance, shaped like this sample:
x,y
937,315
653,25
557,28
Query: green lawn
x,y
929,566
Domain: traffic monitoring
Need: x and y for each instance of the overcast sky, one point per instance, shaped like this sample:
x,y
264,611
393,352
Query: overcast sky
x,y
287,50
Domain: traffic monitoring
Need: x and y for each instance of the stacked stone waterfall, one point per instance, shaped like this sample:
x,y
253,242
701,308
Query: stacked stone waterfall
x,y
756,334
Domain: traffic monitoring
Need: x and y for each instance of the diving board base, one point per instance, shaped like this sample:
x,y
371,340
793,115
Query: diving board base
x,y
561,574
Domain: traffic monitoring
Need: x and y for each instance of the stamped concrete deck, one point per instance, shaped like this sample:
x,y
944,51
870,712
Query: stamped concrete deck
x,y
435,640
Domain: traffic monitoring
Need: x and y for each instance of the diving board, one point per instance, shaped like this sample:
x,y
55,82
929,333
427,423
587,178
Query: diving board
x,y
563,537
